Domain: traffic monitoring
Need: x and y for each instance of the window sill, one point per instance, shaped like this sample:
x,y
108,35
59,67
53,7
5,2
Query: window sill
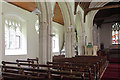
x,y
15,52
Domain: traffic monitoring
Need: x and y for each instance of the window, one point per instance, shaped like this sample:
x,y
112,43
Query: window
x,y
15,35
55,43
12,34
116,34
37,26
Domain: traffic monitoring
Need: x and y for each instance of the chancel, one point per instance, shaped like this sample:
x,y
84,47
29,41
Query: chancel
x,y
60,40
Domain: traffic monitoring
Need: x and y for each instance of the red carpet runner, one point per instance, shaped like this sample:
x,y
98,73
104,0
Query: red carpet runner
x,y
112,72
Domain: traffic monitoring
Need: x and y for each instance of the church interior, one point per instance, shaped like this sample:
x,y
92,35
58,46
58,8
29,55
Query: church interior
x,y
60,40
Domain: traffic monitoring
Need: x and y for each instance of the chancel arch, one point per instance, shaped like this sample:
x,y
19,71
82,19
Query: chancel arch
x,y
63,6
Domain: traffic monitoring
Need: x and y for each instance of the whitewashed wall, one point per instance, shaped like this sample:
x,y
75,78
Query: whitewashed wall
x,y
106,35
32,36
106,31
60,31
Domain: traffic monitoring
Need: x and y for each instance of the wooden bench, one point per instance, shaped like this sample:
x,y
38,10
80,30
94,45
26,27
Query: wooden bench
x,y
97,64
35,61
26,73
73,67
102,61
93,65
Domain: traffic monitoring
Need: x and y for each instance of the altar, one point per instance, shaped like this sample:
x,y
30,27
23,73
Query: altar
x,y
114,51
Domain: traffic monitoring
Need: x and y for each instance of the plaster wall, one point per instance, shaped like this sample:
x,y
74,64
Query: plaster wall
x,y
106,30
59,29
32,37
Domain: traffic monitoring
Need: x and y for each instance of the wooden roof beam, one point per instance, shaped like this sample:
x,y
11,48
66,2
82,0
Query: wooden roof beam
x,y
101,8
76,4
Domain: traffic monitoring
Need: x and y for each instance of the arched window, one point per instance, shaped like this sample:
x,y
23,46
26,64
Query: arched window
x,y
15,35
116,34
37,26
55,43
12,34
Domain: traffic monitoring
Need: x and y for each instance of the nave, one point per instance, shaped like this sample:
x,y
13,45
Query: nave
x,y
72,40
61,68
75,68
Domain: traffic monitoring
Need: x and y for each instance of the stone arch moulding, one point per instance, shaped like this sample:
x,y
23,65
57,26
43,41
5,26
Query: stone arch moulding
x,y
71,15
65,13
14,16
66,17
44,38
80,29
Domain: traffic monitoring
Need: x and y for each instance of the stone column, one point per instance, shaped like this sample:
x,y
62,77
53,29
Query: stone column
x,y
1,35
80,44
49,36
44,32
91,34
81,41
69,43
43,42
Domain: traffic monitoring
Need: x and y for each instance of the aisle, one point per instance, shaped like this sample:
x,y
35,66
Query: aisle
x,y
112,72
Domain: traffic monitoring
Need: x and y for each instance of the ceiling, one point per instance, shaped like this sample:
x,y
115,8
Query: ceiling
x,y
83,5
108,12
30,6
102,14
58,15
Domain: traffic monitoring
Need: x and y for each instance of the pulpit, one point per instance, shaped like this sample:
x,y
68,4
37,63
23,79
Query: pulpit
x,y
91,50
95,49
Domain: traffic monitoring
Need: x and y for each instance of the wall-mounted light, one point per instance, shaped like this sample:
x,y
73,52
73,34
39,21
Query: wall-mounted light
x,y
36,11
52,34
37,24
70,27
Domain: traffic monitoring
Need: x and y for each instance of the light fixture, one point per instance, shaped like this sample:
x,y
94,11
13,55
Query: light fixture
x,y
70,27
52,34
36,11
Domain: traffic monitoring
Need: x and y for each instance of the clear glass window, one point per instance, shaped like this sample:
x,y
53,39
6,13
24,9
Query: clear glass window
x,y
12,35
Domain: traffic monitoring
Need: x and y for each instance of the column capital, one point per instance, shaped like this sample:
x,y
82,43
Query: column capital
x,y
70,29
43,25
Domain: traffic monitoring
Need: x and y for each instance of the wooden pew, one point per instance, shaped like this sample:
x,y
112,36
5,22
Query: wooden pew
x,y
102,61
82,63
35,61
28,61
50,73
73,67
22,73
58,57
24,61
96,63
